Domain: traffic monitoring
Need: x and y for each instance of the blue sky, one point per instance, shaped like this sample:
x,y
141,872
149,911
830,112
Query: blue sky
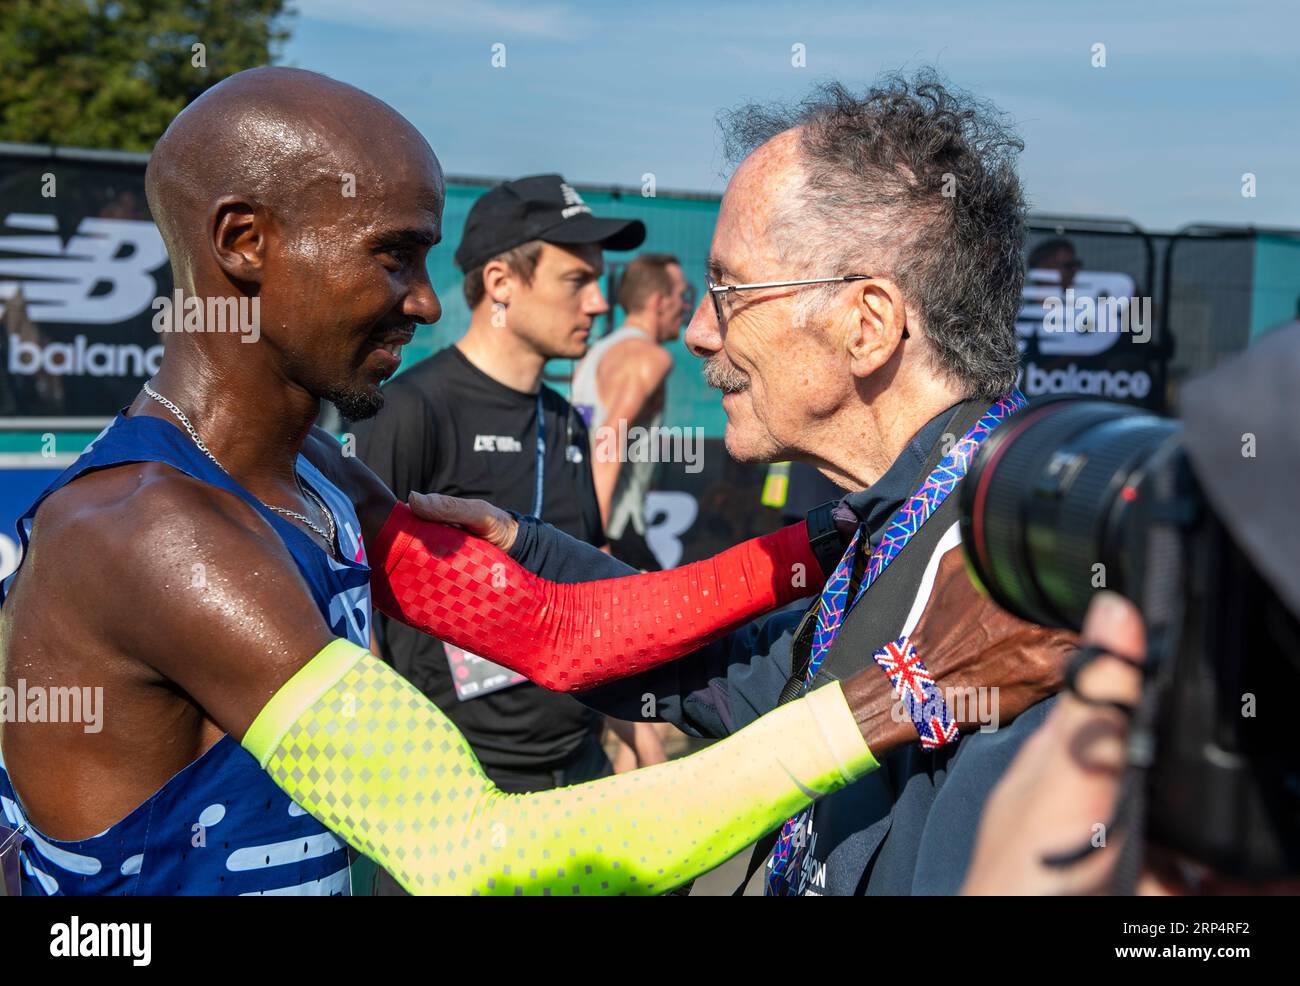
x,y
1193,94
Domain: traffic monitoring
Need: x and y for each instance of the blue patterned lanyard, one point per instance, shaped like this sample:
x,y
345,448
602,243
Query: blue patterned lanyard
x,y
834,604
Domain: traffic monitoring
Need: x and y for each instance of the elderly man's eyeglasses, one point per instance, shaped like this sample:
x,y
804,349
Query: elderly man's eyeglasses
x,y
718,291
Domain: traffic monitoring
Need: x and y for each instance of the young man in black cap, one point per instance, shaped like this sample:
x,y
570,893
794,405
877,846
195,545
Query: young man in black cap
x,y
475,420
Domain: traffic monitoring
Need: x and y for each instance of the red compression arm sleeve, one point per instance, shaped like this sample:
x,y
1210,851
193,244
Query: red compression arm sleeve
x,y
463,590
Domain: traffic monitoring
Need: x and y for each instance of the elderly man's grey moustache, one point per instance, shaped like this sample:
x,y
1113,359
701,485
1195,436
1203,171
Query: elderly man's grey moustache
x,y
720,374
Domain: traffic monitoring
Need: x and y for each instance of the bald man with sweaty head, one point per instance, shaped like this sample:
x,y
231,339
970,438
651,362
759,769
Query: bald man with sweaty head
x,y
204,564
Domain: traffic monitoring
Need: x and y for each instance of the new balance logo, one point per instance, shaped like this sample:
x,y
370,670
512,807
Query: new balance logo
x,y
103,275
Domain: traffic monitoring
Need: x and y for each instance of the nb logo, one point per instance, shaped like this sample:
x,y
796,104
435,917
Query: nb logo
x,y
103,275
1066,323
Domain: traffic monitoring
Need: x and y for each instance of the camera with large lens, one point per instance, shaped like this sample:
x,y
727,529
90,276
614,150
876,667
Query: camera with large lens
x,y
1071,496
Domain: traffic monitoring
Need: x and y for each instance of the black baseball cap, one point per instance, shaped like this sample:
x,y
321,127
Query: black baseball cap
x,y
539,207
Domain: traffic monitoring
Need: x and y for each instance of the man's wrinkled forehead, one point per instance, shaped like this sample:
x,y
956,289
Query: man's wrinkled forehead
x,y
766,184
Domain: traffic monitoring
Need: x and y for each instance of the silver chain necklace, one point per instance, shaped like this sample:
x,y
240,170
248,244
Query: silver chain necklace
x,y
293,514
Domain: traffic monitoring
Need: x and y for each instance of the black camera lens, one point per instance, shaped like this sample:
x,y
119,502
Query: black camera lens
x,y
1047,501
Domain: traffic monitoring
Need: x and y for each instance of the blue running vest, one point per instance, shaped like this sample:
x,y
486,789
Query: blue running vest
x,y
220,825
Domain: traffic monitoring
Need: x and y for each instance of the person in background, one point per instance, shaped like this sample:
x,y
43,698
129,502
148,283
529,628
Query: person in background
x,y
1056,254
621,384
795,488
476,420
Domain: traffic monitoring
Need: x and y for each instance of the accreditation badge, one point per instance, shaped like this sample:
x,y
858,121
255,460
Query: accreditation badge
x,y
476,676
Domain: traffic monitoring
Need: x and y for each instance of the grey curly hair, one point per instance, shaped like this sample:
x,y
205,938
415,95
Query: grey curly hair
x,y
914,180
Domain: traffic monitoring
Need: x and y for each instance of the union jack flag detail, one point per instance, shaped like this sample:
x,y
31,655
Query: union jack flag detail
x,y
920,696
899,660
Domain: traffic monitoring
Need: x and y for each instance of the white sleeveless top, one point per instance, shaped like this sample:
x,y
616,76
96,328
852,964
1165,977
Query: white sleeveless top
x,y
634,476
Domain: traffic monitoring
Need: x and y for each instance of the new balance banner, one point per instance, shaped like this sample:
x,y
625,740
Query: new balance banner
x,y
81,264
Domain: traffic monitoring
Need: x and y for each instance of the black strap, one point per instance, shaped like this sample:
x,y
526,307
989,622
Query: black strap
x,y
800,655
824,536
762,849
961,420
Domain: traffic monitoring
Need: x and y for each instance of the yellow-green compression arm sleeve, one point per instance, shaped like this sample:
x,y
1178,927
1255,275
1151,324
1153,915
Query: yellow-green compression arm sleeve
x,y
360,748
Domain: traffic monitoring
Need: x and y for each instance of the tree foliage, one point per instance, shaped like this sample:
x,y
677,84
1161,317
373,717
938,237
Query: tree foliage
x,y
101,74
